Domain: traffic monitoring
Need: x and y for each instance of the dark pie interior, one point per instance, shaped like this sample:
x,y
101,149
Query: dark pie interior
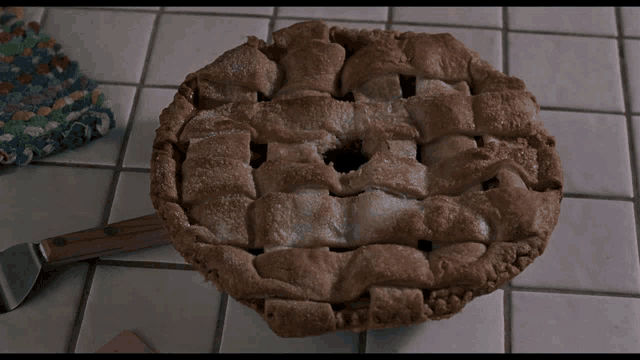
x,y
345,179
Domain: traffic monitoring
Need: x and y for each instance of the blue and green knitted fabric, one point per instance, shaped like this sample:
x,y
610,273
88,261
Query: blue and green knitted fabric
x,y
46,104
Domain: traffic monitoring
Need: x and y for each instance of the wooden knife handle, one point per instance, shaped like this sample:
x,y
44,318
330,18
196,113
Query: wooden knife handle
x,y
128,235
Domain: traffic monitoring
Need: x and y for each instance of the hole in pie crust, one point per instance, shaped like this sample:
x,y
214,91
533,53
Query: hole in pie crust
x,y
347,97
349,50
346,196
262,97
258,154
340,250
419,153
361,302
255,252
426,293
479,141
425,245
408,86
346,158
490,184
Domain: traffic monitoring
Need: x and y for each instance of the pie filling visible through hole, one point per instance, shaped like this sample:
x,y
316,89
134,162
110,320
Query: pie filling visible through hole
x,y
444,187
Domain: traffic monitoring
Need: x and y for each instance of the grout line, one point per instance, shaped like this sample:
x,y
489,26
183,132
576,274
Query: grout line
x,y
546,290
563,33
196,13
568,109
126,83
222,315
272,24
627,111
43,18
77,323
505,41
130,10
152,86
508,328
387,25
362,342
43,163
597,197
88,166
145,264
136,170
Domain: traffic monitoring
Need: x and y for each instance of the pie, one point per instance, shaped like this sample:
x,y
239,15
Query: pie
x,y
344,180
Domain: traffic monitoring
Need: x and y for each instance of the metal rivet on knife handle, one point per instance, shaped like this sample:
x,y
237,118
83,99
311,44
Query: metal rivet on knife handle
x,y
59,241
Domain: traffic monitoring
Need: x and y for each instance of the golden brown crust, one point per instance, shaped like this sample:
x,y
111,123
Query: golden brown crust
x,y
244,66
313,65
487,189
375,59
229,217
228,145
210,177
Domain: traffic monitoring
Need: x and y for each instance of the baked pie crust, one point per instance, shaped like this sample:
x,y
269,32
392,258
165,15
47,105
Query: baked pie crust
x,y
346,179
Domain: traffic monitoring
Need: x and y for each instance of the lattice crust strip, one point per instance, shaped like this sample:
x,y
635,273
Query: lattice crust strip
x,y
459,190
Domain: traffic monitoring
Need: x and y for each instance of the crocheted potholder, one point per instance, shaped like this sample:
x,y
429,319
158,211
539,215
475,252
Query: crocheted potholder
x,y
46,104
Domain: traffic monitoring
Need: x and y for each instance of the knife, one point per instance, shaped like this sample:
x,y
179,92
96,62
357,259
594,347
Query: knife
x,y
20,265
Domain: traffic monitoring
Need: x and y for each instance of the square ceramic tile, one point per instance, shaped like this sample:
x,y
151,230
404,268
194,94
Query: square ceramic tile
x,y
45,319
632,57
478,328
630,21
582,20
173,310
250,10
475,16
488,43
132,200
568,71
594,152
246,332
566,323
108,45
39,202
593,247
145,122
105,150
346,13
186,43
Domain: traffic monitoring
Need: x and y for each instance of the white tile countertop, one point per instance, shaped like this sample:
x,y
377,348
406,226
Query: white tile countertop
x,y
581,295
